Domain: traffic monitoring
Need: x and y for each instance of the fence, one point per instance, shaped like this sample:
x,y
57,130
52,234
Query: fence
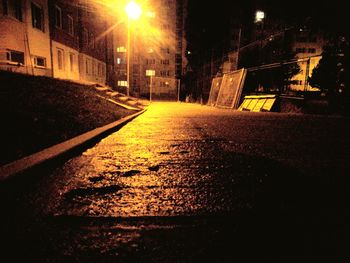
x,y
226,91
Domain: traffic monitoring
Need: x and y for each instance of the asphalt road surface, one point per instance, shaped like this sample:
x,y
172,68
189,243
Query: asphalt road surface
x,y
190,183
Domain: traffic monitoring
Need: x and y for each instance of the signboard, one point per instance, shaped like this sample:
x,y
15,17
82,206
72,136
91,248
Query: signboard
x,y
214,91
258,103
231,89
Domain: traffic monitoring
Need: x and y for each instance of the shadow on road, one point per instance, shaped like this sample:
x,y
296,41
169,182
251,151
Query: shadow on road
x,y
267,211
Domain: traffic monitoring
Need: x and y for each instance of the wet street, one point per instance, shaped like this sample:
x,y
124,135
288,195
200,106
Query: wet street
x,y
190,183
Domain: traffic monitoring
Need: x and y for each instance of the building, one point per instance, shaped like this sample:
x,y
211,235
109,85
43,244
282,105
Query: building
x,y
157,51
84,41
25,37
79,46
308,47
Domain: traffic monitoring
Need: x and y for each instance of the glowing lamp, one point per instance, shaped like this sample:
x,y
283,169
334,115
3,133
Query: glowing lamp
x,y
133,10
259,16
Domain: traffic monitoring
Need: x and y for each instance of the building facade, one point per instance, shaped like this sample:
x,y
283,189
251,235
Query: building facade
x,y
25,38
308,47
157,51
84,41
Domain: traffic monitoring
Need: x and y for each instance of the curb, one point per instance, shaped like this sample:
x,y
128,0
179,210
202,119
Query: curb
x,y
9,170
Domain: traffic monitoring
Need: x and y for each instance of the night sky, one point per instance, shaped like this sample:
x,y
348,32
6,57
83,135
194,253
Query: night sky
x,y
208,21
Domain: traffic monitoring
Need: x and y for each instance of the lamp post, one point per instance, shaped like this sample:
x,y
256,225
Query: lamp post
x,y
150,73
133,11
259,19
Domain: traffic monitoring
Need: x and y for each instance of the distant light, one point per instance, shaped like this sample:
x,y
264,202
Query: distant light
x,y
259,16
189,52
150,72
151,14
133,10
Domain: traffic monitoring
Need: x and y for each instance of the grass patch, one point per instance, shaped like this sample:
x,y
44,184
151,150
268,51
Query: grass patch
x,y
38,112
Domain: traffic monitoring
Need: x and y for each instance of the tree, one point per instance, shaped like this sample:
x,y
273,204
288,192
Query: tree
x,y
331,75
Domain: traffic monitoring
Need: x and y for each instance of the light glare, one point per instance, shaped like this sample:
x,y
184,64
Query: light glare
x,y
259,16
133,10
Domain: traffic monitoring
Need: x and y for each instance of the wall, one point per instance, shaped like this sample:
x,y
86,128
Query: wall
x,y
18,34
70,62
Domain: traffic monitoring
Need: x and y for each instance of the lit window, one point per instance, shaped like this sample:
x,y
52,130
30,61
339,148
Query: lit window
x,y
122,83
60,56
119,61
121,49
70,25
58,17
37,17
39,62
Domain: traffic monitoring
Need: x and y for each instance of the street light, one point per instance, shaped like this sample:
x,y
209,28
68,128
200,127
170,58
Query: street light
x,y
259,19
150,73
133,11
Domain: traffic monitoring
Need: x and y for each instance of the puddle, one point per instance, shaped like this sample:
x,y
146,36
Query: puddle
x,y
154,168
96,179
131,173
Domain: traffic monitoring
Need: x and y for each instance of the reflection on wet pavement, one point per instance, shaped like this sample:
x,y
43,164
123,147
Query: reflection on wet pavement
x,y
179,181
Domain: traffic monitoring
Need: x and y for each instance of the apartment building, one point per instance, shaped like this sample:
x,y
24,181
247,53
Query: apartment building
x,y
157,51
83,41
308,47
25,37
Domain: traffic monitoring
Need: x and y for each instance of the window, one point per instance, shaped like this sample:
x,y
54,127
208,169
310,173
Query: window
x,y
99,69
13,57
37,17
71,61
164,73
300,50
150,61
165,50
13,8
122,83
163,84
93,68
121,49
312,50
60,59
87,66
39,62
70,25
164,61
58,17
92,40
85,37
